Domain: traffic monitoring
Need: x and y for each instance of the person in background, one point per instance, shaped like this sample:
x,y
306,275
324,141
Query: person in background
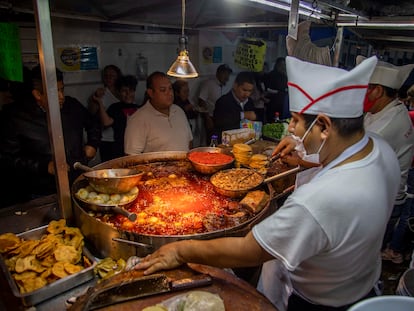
x,y
236,105
210,91
6,96
259,95
158,125
104,97
276,89
181,99
117,114
25,142
325,236
386,116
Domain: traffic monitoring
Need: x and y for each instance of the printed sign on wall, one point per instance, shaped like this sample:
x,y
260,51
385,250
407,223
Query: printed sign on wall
x,y
250,54
77,58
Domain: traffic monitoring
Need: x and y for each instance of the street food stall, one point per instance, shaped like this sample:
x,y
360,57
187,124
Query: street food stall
x,y
172,199
121,230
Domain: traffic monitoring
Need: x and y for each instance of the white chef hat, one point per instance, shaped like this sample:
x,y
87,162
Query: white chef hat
x,y
387,74
336,92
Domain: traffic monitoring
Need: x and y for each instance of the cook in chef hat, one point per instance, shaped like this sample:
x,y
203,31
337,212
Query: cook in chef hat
x,y
387,74
336,92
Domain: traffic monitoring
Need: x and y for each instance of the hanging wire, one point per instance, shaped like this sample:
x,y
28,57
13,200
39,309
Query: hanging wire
x,y
182,17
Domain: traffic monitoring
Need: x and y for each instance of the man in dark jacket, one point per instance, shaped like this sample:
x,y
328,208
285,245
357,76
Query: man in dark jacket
x,y
26,153
236,105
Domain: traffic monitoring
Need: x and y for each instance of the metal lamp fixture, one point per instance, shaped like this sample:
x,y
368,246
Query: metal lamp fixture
x,y
182,67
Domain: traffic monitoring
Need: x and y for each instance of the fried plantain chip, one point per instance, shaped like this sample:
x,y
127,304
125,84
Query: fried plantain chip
x,y
71,268
49,261
45,274
24,275
29,285
67,253
8,241
56,226
25,248
43,249
11,263
58,269
86,262
28,263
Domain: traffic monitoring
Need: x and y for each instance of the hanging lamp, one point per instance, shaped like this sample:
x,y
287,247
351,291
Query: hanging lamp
x,y
182,67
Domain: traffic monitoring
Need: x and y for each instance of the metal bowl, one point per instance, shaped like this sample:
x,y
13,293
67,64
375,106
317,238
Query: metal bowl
x,y
110,181
209,169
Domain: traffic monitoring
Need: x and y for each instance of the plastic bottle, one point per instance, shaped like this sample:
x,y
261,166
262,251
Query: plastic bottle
x,y
214,141
277,119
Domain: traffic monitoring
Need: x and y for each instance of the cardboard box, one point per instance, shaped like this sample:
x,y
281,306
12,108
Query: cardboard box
x,y
231,137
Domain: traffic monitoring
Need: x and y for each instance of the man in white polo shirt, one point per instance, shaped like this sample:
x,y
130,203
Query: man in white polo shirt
x,y
158,125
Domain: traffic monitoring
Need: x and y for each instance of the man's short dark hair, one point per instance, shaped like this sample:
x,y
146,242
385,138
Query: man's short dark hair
x,y
223,68
152,76
245,77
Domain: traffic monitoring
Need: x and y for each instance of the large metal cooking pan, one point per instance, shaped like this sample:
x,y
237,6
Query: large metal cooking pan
x,y
104,208
120,180
106,241
240,192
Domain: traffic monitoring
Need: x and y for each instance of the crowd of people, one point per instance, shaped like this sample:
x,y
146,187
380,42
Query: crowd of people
x,y
352,209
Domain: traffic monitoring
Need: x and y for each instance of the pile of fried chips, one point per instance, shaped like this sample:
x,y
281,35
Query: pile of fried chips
x,y
242,153
36,263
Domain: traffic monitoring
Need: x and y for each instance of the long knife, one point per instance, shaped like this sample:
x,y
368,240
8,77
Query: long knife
x,y
142,287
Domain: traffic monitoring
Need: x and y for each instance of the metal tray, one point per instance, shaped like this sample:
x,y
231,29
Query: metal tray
x,y
55,288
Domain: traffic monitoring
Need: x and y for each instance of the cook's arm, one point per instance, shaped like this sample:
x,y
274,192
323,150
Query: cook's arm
x,y
229,252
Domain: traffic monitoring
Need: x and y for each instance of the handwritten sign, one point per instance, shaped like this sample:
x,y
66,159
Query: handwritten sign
x,y
11,67
250,54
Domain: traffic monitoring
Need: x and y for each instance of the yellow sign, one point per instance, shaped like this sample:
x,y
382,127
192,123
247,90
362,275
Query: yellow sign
x,y
77,58
69,58
250,54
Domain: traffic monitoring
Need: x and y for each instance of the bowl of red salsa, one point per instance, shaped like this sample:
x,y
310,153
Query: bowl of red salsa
x,y
209,160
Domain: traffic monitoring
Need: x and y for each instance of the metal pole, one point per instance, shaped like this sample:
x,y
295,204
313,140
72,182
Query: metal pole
x,y
48,67
293,19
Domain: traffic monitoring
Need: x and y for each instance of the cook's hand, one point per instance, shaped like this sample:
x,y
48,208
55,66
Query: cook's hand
x,y
286,146
288,155
164,258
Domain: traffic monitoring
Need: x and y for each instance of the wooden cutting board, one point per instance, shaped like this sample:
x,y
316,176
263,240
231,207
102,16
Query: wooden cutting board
x,y
236,293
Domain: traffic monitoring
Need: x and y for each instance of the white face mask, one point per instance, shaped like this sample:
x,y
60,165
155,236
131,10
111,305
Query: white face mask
x,y
300,147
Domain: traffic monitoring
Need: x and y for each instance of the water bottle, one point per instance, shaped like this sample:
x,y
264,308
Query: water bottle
x,y
214,141
277,119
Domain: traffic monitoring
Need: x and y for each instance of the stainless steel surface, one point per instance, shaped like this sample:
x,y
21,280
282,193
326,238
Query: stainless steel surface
x,y
105,238
55,288
104,208
110,181
209,168
293,19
